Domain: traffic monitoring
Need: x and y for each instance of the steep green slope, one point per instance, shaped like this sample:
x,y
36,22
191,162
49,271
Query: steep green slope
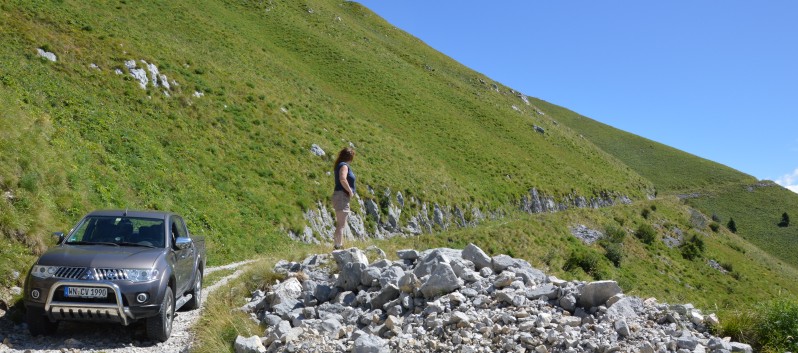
x,y
708,186
251,87
671,170
757,210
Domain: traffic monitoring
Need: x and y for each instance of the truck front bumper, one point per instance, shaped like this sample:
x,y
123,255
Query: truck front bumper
x,y
113,308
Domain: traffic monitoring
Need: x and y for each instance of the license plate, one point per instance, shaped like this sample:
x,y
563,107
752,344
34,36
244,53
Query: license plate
x,y
85,292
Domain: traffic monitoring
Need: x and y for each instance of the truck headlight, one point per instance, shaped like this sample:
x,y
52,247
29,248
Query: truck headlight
x,y
141,275
44,271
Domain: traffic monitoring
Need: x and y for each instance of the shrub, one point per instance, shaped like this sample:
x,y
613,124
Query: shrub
x,y
614,253
614,234
715,218
714,226
587,260
646,233
693,249
653,207
732,225
645,213
785,220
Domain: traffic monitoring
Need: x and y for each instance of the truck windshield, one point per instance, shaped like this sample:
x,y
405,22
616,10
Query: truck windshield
x,y
122,231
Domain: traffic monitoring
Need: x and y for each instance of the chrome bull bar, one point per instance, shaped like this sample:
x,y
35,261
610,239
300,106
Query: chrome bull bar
x,y
59,310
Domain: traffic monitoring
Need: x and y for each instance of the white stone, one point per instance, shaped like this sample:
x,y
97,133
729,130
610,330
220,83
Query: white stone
x,y
46,54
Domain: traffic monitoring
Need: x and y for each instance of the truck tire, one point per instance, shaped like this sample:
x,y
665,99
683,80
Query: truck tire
x,y
196,294
159,327
38,324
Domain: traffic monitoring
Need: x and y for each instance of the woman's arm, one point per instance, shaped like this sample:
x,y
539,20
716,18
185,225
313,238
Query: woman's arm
x,y
342,173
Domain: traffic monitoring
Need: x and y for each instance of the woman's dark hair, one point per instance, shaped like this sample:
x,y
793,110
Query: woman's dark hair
x,y
346,155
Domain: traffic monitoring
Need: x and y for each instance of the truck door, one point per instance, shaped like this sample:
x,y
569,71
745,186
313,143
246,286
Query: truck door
x,y
184,259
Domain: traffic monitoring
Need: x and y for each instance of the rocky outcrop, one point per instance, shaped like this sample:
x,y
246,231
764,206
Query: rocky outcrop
x,y
401,217
441,300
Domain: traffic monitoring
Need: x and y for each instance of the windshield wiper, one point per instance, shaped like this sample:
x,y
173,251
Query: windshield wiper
x,y
91,243
127,243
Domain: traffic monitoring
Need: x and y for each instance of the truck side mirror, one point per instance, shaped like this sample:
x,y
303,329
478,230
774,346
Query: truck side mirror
x,y
183,242
60,236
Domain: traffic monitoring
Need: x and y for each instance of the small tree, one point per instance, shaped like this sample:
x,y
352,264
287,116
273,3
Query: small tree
x,y
731,225
785,220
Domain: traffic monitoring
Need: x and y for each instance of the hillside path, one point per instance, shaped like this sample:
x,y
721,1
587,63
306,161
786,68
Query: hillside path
x,y
87,337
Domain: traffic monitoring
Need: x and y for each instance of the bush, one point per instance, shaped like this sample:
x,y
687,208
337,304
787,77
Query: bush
x,y
693,249
732,225
785,220
714,226
587,260
645,213
646,233
614,253
614,234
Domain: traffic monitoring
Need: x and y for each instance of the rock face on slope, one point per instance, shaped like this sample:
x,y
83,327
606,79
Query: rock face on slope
x,y
419,217
447,300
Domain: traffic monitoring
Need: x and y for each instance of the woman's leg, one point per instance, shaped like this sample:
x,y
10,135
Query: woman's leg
x,y
340,225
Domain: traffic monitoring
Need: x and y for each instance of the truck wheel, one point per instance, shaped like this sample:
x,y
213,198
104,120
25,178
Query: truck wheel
x,y
196,294
38,324
159,327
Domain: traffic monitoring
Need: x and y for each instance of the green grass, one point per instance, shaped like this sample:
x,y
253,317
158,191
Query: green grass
x,y
671,170
756,210
772,327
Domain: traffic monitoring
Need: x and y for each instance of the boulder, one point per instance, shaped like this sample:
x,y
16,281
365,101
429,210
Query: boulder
x,y
367,343
409,282
597,293
388,293
474,254
346,256
441,281
248,345
501,262
290,289
548,290
407,254
625,308
350,275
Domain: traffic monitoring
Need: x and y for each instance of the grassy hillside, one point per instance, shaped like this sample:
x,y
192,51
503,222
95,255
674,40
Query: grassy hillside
x,y
757,210
671,170
251,87
708,186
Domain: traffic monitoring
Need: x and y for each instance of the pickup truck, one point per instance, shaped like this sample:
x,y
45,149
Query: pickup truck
x,y
117,266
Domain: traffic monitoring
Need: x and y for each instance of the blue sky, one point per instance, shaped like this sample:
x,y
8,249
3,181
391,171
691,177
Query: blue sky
x,y
718,79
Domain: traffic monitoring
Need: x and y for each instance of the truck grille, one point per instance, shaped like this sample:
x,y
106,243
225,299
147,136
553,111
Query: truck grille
x,y
110,274
69,272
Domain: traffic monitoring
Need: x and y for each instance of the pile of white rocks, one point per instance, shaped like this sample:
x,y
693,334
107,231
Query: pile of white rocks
x,y
446,300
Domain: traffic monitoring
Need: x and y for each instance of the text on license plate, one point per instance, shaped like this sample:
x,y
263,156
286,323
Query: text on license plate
x,y
85,292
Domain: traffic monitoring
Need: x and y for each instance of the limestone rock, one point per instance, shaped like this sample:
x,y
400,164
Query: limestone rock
x,y
249,345
597,293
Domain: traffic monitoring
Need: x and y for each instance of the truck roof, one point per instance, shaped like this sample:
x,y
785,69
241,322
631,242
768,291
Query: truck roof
x,y
132,213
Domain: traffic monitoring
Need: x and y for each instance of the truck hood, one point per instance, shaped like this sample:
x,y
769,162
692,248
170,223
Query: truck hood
x,y
101,256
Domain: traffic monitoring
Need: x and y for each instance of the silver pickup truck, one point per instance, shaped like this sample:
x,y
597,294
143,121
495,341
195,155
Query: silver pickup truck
x,y
117,266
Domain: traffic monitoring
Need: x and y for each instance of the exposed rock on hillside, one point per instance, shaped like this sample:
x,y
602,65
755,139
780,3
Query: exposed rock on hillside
x,y
411,217
449,300
46,54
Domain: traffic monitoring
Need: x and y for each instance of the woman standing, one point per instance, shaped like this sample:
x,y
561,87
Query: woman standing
x,y
343,193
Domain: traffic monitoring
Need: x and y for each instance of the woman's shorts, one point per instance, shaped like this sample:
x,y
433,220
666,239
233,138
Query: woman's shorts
x,y
340,200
